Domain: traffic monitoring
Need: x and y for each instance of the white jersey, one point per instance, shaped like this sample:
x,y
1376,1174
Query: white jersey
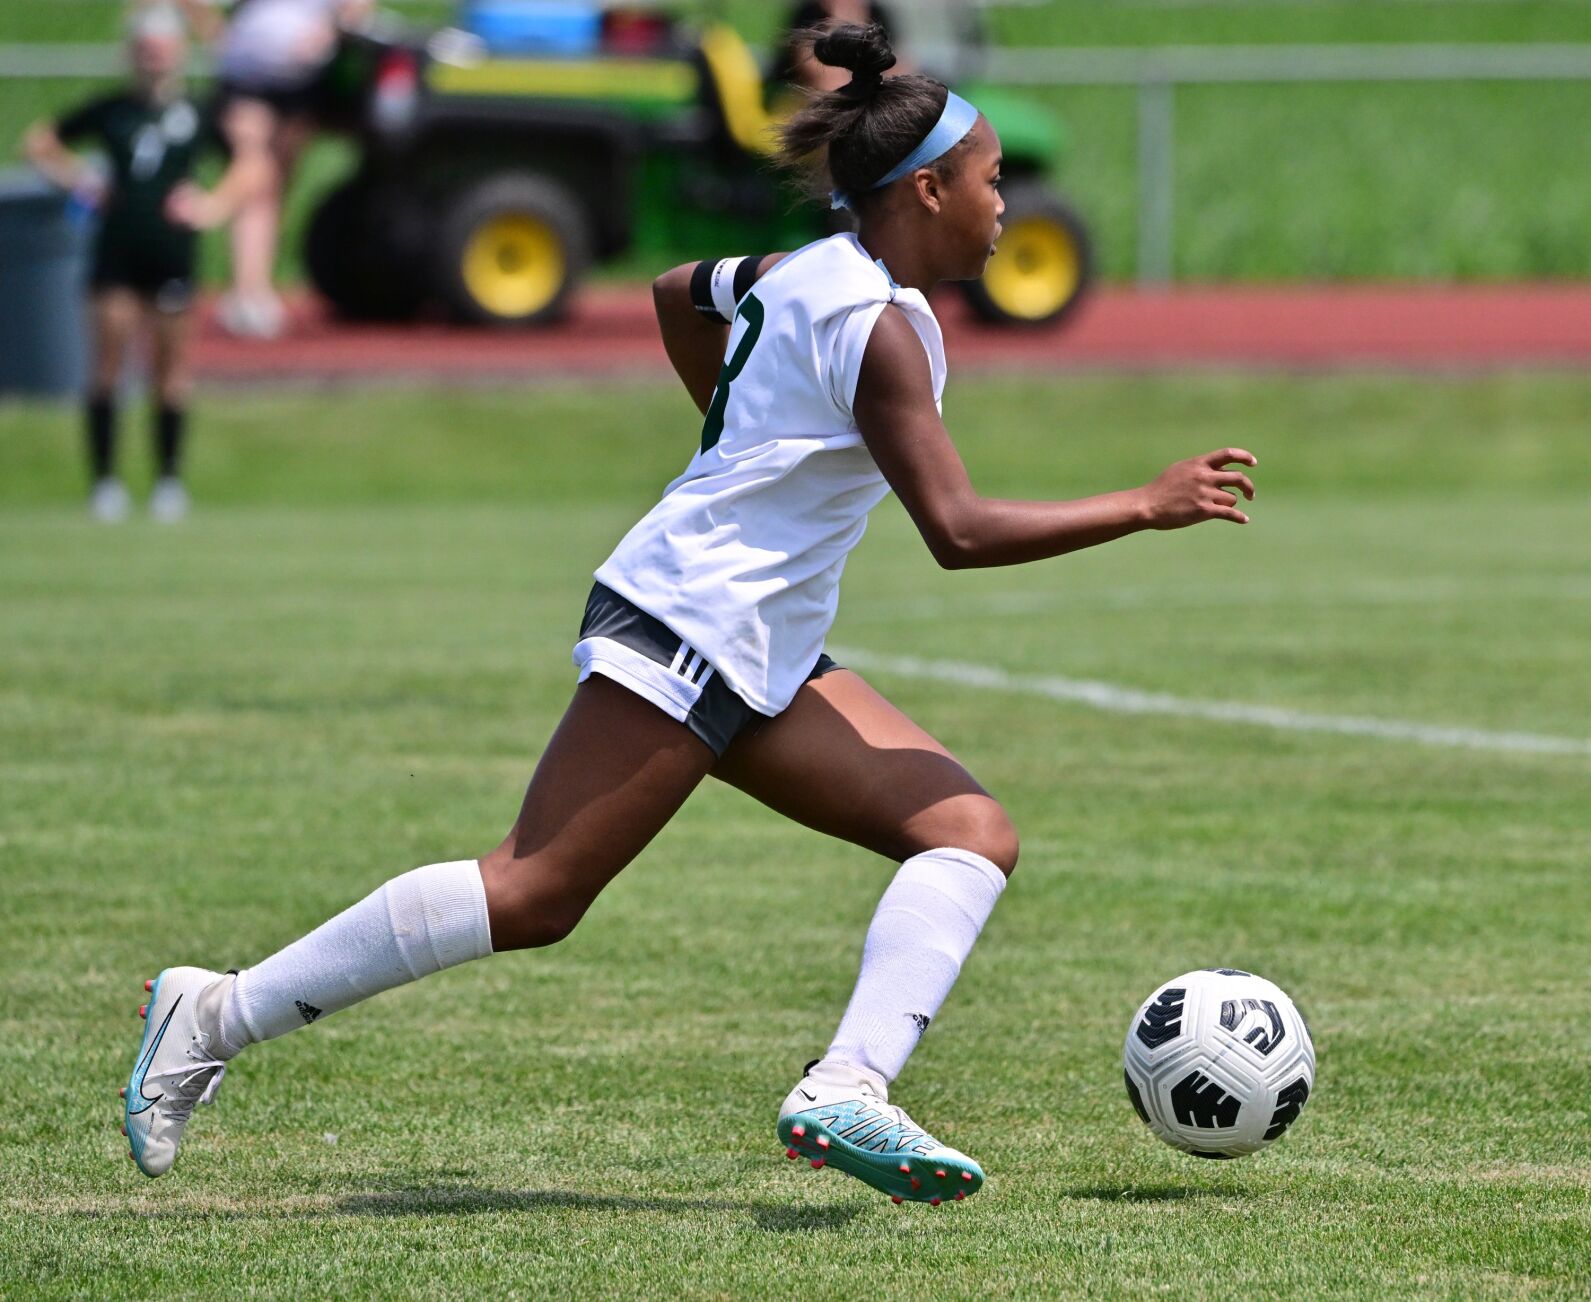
x,y
277,44
742,557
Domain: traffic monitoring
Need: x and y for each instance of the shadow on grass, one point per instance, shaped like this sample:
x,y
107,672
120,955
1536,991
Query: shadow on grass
x,y
465,1200
1146,1193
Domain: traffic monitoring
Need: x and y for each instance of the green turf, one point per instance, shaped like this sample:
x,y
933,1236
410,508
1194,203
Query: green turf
x,y
1443,180
349,659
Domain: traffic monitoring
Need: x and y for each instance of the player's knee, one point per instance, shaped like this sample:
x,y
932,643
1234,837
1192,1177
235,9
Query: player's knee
x,y
528,908
994,836
532,920
980,825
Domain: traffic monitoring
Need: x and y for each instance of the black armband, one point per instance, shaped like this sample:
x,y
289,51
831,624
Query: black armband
x,y
716,286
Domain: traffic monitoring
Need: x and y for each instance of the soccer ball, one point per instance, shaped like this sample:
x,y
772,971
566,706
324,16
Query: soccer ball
x,y
1218,1063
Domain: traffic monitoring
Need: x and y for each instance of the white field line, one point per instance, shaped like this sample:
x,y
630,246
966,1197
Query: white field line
x,y
1413,592
1126,700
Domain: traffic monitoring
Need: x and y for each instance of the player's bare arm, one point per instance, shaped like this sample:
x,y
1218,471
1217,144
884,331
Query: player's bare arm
x,y
249,173
42,147
895,411
694,341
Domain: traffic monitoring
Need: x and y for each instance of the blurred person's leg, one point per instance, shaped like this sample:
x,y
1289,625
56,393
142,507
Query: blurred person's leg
x,y
173,330
116,313
252,308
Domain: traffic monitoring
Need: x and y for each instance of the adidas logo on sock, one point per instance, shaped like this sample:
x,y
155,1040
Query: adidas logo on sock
x,y
309,1012
922,1020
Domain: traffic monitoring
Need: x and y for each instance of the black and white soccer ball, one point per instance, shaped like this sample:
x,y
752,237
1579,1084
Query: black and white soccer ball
x,y
1219,1062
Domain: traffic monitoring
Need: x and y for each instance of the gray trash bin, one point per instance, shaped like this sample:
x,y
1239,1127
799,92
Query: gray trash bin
x,y
43,269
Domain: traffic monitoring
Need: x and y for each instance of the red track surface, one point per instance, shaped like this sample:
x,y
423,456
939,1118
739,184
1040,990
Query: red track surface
x,y
612,333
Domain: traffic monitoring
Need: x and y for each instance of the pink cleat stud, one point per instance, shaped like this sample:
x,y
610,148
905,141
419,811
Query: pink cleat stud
x,y
790,1153
934,1202
122,1092
143,1010
916,1183
896,1199
130,1156
940,1173
798,1130
148,986
966,1175
124,1130
817,1163
823,1141
961,1195
905,1168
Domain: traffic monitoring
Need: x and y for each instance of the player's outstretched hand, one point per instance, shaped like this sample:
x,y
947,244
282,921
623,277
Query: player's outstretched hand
x,y
1199,489
188,205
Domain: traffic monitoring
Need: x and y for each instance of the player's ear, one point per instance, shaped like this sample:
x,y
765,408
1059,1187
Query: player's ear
x,y
930,189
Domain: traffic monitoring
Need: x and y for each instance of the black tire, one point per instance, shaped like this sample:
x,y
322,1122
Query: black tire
x,y
352,254
1049,261
512,249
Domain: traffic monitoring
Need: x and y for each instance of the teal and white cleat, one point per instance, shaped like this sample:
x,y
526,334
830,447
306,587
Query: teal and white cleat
x,y
176,1068
841,1116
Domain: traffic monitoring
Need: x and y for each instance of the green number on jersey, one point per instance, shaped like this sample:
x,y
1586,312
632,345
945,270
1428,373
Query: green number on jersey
x,y
713,427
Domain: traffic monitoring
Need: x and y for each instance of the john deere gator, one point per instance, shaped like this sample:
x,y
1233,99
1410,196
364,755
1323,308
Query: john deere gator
x,y
489,183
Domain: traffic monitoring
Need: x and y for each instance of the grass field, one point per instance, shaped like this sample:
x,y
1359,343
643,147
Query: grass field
x,y
1445,180
345,665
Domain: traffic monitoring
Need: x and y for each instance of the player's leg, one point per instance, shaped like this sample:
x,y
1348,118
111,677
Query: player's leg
x,y
252,308
613,774
173,327
845,761
115,311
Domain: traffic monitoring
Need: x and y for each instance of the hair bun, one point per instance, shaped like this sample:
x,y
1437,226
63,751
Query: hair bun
x,y
865,51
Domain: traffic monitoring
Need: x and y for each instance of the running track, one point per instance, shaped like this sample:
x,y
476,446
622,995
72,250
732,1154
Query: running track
x,y
611,333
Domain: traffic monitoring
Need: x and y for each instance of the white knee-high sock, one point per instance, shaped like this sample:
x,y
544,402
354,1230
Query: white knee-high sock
x,y
416,924
919,938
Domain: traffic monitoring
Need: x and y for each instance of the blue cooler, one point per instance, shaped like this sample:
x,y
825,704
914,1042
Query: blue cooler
x,y
535,26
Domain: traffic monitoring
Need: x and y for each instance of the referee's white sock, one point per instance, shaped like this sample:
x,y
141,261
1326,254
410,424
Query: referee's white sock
x,y
920,936
416,924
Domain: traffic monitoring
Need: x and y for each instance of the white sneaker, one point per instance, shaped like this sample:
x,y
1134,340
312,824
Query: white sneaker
x,y
841,1116
108,502
168,504
252,316
176,1066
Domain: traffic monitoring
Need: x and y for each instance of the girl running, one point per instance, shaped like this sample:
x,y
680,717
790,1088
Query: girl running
x,y
818,375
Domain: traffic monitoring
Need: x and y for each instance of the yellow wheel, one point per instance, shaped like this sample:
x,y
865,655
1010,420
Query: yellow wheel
x,y
1041,265
514,265
511,251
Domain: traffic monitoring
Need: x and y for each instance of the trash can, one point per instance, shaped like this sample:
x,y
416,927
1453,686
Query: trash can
x,y
43,254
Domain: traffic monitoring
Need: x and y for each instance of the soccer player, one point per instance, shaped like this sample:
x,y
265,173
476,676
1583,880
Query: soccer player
x,y
701,654
270,61
143,266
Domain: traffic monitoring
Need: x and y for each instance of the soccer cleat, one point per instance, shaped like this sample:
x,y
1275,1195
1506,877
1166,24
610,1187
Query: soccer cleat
x,y
109,502
176,1067
841,1116
168,504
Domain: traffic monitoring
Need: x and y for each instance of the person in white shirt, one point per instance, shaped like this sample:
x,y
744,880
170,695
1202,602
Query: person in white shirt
x,y
818,374
269,59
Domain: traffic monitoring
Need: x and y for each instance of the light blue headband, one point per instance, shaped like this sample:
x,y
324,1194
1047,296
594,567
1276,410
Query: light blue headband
x,y
953,124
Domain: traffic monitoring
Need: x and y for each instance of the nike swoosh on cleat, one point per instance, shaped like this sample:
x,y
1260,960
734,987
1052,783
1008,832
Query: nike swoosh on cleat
x,y
810,1098
149,1057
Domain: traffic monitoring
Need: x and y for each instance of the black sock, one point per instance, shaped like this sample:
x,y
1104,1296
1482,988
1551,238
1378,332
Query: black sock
x,y
100,417
171,424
